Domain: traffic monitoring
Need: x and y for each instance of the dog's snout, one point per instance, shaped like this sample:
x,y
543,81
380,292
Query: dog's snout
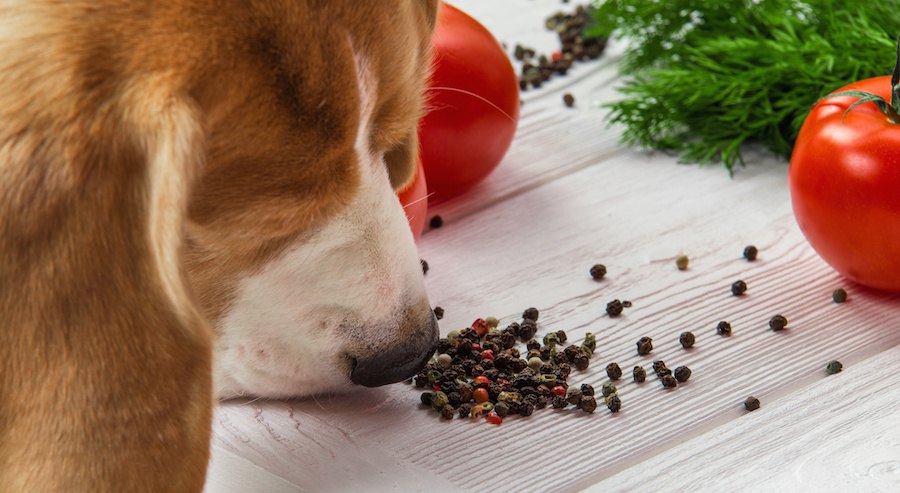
x,y
403,360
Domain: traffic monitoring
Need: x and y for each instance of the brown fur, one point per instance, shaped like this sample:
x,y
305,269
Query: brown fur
x,y
150,150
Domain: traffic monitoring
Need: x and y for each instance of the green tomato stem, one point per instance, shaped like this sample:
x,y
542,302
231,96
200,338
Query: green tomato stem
x,y
892,109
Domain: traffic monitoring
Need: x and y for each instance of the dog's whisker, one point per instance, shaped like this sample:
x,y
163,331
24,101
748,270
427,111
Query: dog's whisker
x,y
418,200
470,93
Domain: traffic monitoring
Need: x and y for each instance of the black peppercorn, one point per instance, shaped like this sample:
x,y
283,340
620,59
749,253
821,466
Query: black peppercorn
x,y
582,362
639,374
738,288
669,381
424,266
447,412
644,346
687,340
527,330
613,371
587,389
526,409
614,308
833,367
659,366
531,314
614,404
561,335
682,374
752,403
436,222
568,100
425,397
502,409
777,323
723,328
750,252
588,404
464,410
559,402
598,271
438,312
533,345
839,295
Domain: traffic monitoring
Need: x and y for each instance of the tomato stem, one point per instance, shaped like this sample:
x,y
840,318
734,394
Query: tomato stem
x,y
892,109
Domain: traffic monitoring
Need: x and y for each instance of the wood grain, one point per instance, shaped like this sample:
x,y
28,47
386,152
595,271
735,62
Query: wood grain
x,y
566,197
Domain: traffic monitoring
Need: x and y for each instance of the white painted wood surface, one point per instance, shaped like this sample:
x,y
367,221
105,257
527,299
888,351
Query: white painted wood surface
x,y
568,196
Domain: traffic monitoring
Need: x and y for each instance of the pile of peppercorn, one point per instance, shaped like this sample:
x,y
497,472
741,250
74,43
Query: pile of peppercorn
x,y
574,46
479,372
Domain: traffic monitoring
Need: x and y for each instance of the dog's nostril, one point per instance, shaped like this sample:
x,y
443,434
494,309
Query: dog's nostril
x,y
353,364
398,363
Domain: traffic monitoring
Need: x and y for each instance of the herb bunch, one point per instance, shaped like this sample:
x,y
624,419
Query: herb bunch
x,y
706,76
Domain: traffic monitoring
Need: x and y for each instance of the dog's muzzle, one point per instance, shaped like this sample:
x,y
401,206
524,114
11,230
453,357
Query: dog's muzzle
x,y
398,363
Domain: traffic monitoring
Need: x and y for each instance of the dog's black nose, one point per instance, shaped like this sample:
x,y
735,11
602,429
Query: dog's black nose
x,y
398,363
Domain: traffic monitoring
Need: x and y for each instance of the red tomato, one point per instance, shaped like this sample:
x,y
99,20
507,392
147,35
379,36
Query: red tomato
x,y
414,199
473,98
845,186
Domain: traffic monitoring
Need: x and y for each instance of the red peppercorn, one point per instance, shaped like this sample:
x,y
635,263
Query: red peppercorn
x,y
502,381
480,395
494,418
487,354
481,380
480,326
556,56
559,390
476,348
436,387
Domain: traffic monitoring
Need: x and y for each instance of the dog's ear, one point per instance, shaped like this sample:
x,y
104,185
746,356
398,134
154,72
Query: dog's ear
x,y
105,363
401,161
429,10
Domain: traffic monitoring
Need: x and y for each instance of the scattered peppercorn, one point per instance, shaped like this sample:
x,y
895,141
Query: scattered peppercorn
x,y
687,340
639,374
682,262
598,271
447,412
750,252
464,410
502,409
425,397
574,395
588,404
424,266
839,295
614,403
587,389
480,395
669,381
561,335
439,400
569,100
608,389
723,328
613,371
834,367
436,222
752,403
777,323
682,374
738,288
494,418
444,360
614,308
531,314
644,346
438,312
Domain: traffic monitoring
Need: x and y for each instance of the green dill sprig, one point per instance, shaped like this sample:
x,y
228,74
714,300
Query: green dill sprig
x,y
704,77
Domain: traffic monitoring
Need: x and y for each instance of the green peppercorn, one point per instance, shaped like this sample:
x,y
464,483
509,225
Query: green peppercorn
x,y
687,340
502,409
639,374
608,389
535,363
439,400
487,406
587,389
590,341
750,252
644,346
614,403
445,360
723,328
834,367
839,295
478,411
434,376
531,314
447,412
682,262
574,395
752,403
669,381
548,379
588,404
614,308
598,271
682,374
453,336
613,371
551,339
492,322
738,288
777,323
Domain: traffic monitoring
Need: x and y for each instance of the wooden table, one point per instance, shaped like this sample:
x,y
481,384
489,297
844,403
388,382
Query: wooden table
x,y
568,195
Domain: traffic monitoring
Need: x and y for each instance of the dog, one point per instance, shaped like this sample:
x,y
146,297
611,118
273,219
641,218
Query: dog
x,y
197,201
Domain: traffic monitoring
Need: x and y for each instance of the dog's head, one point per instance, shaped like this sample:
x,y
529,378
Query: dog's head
x,y
298,249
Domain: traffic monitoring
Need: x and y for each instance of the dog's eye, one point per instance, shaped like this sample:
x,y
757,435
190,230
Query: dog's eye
x,y
401,161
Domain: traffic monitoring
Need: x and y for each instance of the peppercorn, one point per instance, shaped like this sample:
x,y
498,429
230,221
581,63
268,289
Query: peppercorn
x,y
551,339
639,374
558,390
682,262
477,411
614,404
447,412
438,312
750,252
839,295
527,409
444,360
527,329
659,366
535,363
669,381
561,335
723,328
573,395
439,400
502,409
481,381
568,100
480,327
777,323
738,288
533,344
436,222
548,379
598,271
687,340
546,368
587,389
644,346
613,371
425,397
608,389
559,402
752,403
562,371
682,374
582,362
480,395
531,314
464,410
487,406
588,404
590,341
834,367
614,308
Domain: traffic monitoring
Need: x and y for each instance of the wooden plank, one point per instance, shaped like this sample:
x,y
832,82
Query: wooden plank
x,y
837,434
